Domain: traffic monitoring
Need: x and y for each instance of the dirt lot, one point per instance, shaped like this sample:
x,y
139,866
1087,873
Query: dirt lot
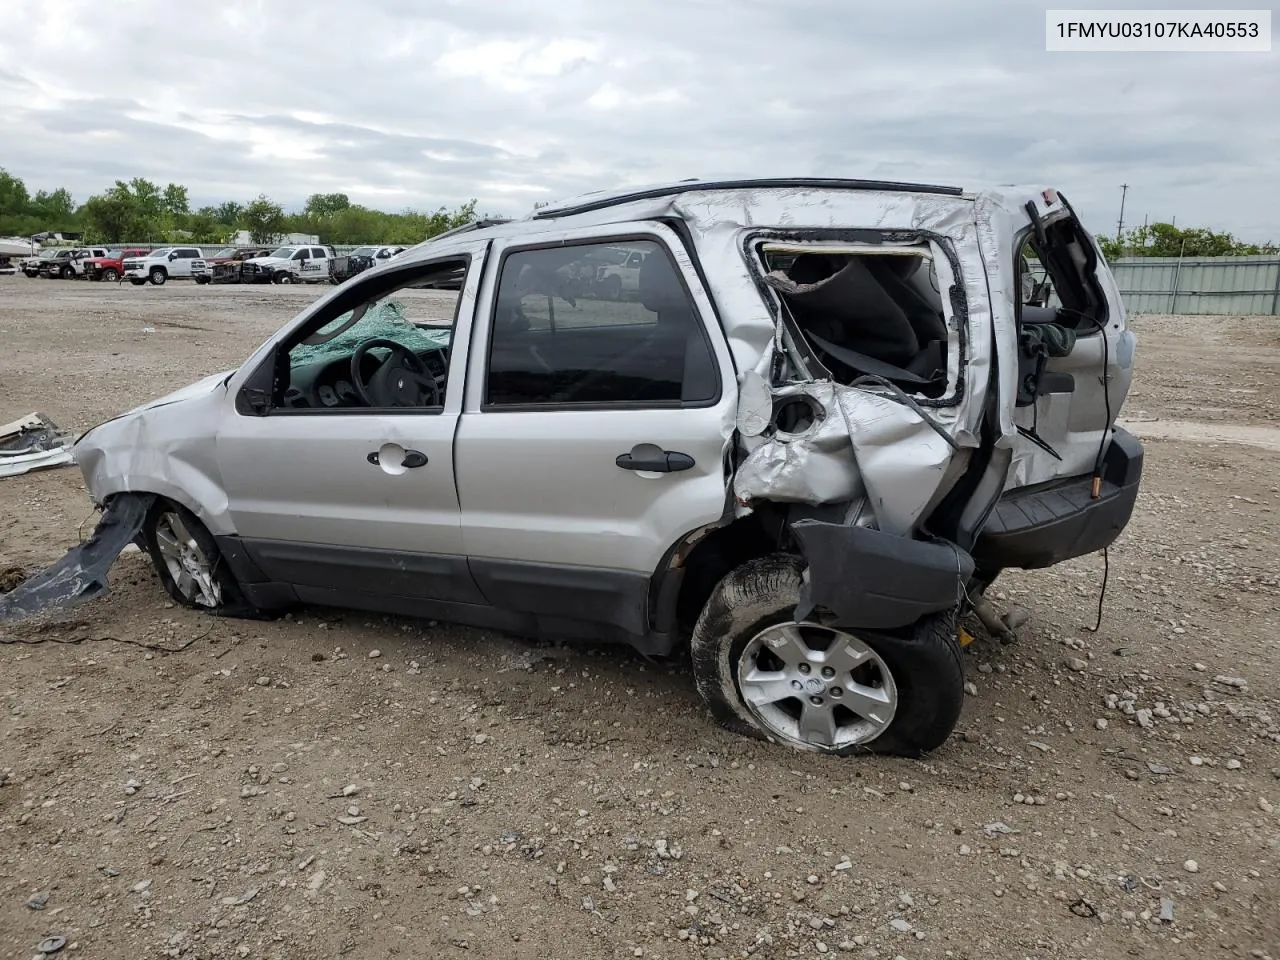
x,y
520,801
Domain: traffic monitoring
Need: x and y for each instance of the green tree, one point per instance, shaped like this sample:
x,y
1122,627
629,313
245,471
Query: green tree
x,y
128,211
320,205
1166,240
175,201
264,219
229,212
13,194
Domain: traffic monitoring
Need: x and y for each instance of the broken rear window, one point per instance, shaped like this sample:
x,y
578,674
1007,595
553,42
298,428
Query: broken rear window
x,y
863,310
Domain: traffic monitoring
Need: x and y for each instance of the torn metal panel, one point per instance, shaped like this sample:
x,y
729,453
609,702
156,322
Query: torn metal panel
x,y
33,442
81,574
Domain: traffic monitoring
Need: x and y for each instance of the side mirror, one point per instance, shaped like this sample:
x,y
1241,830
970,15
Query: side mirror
x,y
173,256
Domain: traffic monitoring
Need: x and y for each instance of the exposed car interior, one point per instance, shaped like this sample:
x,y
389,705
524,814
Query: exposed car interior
x,y
864,312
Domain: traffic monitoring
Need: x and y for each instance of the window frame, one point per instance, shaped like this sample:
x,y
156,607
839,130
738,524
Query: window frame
x,y
389,280
604,240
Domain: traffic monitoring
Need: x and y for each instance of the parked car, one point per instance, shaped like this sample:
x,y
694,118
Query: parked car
x,y
345,267
223,266
160,266
111,267
64,264
803,446
292,264
621,278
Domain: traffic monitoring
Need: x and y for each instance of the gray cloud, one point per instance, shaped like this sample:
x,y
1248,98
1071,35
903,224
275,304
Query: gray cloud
x,y
406,104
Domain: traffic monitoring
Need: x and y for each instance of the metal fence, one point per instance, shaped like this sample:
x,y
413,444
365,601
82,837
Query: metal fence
x,y
1224,286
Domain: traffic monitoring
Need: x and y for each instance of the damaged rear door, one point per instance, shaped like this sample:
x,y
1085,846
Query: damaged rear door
x,y
1075,351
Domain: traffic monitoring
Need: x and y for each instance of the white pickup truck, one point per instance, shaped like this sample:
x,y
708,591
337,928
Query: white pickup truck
x,y
159,266
292,264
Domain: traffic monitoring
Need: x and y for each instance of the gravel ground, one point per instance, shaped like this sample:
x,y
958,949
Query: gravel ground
x,y
343,784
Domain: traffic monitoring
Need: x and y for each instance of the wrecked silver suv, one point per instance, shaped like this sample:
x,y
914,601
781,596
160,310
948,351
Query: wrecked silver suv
x,y
819,426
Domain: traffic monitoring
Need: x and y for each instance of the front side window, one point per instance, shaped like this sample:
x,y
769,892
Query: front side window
x,y
301,254
578,325
384,345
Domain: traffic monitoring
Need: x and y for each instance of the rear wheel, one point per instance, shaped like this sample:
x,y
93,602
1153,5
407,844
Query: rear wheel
x,y
158,276
819,687
110,274
189,563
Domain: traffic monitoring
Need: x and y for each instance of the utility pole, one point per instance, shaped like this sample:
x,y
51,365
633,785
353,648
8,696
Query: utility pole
x,y
1124,189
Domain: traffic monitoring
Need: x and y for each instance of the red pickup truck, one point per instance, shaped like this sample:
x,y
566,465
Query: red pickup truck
x,y
111,267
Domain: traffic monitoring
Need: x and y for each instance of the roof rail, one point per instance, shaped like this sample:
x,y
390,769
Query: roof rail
x,y
689,186
473,225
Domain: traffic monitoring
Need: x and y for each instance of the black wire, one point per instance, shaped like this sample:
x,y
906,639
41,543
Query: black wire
x,y
1106,573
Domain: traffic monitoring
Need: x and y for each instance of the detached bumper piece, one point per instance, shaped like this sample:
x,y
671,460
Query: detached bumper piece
x,y
876,580
81,574
1045,525
33,443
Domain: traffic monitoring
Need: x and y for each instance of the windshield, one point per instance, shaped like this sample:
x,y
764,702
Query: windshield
x,y
363,251
224,252
284,253
162,252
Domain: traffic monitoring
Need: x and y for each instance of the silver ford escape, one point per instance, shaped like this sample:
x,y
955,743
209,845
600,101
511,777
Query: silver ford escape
x,y
801,424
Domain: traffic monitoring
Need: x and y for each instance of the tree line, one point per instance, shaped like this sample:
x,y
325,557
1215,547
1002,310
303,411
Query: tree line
x,y
1166,240
142,211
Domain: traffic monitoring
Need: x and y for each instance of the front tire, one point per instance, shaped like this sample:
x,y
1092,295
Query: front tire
x,y
818,687
68,272
136,282
158,276
110,275
201,281
189,563
282,276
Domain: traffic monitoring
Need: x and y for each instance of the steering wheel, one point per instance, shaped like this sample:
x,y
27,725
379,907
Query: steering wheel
x,y
401,380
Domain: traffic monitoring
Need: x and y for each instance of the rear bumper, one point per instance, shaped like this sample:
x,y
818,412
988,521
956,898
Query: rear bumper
x,y
1047,524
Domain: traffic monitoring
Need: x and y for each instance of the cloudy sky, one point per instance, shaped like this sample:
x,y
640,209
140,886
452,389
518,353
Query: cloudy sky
x,y
404,103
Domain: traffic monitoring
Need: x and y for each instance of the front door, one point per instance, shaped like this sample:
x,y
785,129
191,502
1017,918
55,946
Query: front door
x,y
184,257
594,431
345,487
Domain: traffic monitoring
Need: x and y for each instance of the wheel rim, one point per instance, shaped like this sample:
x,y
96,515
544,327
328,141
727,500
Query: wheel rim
x,y
108,275
187,564
816,687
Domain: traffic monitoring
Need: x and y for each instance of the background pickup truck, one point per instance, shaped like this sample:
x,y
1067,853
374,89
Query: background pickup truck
x,y
111,267
63,264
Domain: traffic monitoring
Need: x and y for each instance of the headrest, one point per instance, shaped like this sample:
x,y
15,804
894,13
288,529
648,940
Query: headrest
x,y
660,288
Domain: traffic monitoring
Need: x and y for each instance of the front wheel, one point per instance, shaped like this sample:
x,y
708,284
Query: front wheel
x,y
818,687
68,272
189,563
110,275
201,281
136,282
283,276
158,276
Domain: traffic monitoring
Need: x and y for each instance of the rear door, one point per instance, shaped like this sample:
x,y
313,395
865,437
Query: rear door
x,y
1077,353
181,266
594,431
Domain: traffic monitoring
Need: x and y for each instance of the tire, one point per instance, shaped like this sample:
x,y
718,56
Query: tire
x,y
158,276
179,546
32,273
282,276
910,683
68,272
111,275
136,282
611,288
201,281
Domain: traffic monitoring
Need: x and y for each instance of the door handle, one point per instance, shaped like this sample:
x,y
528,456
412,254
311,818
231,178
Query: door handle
x,y
651,458
412,458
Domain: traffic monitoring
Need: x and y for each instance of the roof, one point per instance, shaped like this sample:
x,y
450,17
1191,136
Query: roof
x,y
600,199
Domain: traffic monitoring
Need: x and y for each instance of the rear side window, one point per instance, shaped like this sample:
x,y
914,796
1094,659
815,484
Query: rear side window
x,y
318,253
582,325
